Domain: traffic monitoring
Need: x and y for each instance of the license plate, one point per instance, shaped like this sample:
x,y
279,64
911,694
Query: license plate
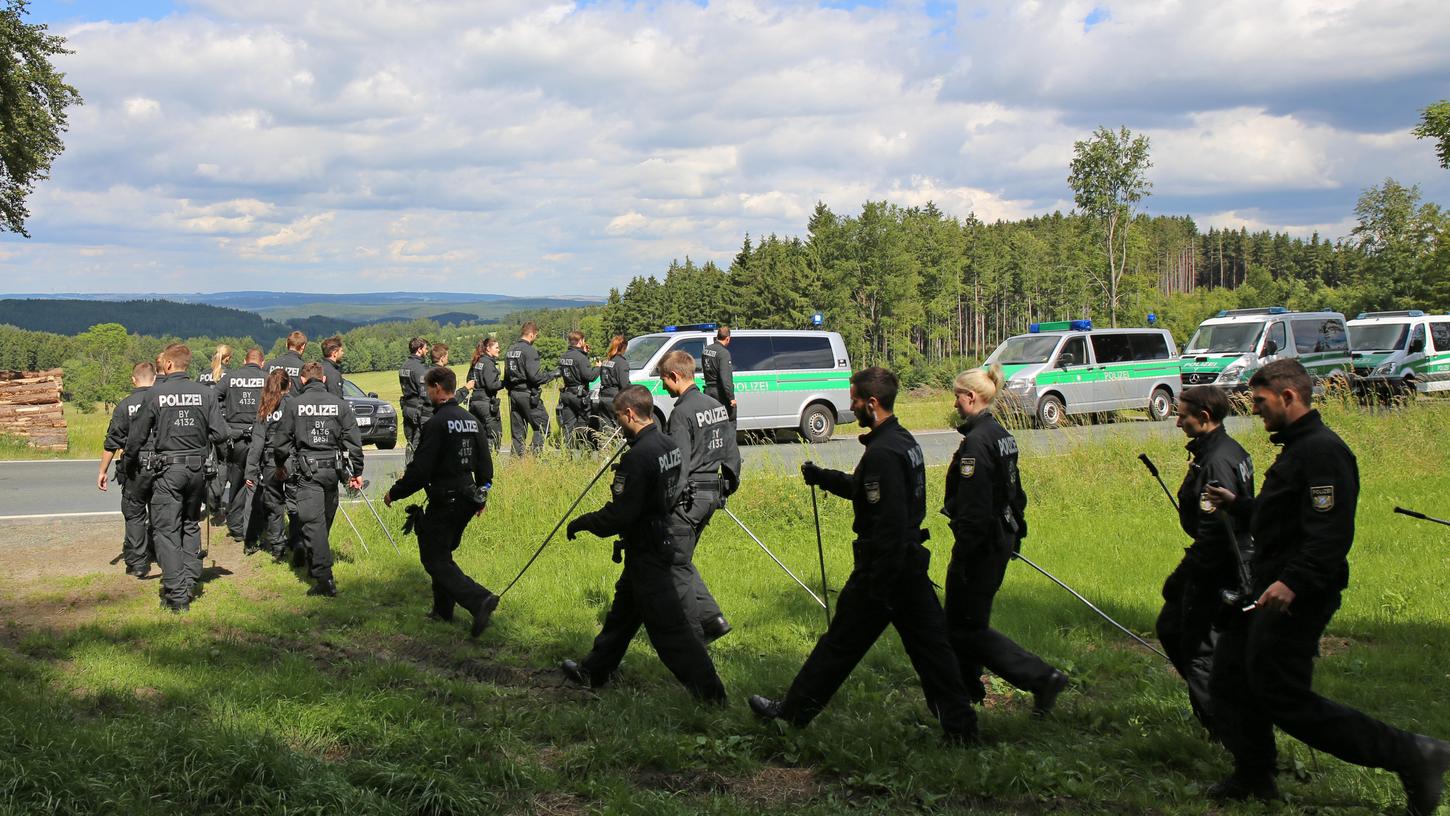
x,y
363,422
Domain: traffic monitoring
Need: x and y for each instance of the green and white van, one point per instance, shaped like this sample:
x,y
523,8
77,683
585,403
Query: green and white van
x,y
1068,367
1401,351
784,379
1229,347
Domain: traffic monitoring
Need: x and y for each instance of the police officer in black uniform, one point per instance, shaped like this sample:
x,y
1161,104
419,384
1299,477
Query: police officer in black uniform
x,y
1303,526
186,421
646,487
987,507
266,526
439,354
318,441
454,466
291,359
701,428
413,402
576,372
523,378
719,371
613,375
889,583
1193,594
484,386
332,351
240,393
216,483
133,472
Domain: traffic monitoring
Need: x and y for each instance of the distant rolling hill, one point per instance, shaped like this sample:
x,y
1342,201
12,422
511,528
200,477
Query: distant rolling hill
x,y
158,318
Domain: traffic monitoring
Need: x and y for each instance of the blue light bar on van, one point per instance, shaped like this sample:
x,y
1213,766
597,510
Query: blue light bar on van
x,y
1402,313
1060,325
692,327
1267,310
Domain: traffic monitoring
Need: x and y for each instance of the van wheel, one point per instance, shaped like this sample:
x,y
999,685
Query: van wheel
x,y
1160,405
817,424
1050,411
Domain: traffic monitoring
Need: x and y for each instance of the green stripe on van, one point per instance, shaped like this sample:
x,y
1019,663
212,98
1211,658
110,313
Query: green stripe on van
x,y
1113,371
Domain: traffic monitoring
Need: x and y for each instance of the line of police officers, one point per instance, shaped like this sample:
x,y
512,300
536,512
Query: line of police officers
x,y
1247,665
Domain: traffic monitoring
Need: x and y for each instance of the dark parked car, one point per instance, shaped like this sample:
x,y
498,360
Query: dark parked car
x,y
377,419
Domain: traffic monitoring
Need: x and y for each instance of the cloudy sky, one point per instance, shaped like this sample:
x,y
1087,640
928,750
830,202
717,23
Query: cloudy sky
x,y
524,148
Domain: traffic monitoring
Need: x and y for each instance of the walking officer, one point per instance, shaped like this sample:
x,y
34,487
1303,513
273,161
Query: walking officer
x,y
187,421
577,373
719,371
291,359
888,584
216,483
454,467
332,351
133,472
318,441
1193,593
410,377
646,487
266,524
701,429
987,507
484,386
1263,665
523,378
240,393
613,375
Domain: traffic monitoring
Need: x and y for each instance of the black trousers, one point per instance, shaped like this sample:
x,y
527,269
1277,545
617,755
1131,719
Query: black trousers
x,y
216,484
176,502
440,531
686,526
573,419
489,415
412,427
1263,670
973,578
645,596
914,610
1191,604
137,548
316,507
267,524
239,505
527,411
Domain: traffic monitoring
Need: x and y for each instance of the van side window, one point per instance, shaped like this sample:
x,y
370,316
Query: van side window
x,y
1074,353
1440,333
794,353
695,346
1112,348
1277,334
1150,346
750,353
1320,335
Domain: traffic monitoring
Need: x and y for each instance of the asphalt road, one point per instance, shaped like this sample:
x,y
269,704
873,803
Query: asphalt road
x,y
67,487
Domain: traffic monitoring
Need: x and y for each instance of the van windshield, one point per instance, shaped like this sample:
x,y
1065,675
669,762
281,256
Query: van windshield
x,y
1379,336
642,348
1225,338
1025,350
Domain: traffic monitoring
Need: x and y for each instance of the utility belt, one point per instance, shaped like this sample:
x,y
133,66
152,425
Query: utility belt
x,y
660,544
576,390
460,493
310,464
161,460
863,553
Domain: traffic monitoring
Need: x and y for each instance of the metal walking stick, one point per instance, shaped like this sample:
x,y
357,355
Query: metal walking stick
x,y
355,532
381,524
821,552
563,519
1145,644
1421,516
777,561
1153,469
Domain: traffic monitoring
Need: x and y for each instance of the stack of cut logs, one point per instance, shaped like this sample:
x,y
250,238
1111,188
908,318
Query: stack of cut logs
x,y
30,408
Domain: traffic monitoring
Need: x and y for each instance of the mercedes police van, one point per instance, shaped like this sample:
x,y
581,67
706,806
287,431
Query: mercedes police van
x,y
1399,352
1068,367
1229,347
784,379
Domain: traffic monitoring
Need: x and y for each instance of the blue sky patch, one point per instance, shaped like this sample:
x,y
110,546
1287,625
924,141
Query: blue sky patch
x,y
1098,15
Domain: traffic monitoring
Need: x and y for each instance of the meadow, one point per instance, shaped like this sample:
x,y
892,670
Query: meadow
x,y
263,700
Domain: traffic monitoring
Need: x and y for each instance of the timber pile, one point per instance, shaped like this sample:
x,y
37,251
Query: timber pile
x,y
30,408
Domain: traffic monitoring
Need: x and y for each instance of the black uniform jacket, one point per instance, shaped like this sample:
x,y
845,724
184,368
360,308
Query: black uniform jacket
x,y
183,414
613,375
888,493
521,368
334,377
120,428
486,382
258,455
719,373
291,362
1216,458
984,496
452,456
240,392
410,377
316,425
1303,517
574,367
647,484
701,428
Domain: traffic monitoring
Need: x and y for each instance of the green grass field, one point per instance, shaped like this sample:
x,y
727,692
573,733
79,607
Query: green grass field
x,y
265,701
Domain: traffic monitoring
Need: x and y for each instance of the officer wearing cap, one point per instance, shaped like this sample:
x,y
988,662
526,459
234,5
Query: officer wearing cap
x,y
318,443
645,490
291,359
484,385
454,467
889,583
701,428
133,472
414,400
1303,527
240,393
186,421
719,371
577,373
524,380
332,352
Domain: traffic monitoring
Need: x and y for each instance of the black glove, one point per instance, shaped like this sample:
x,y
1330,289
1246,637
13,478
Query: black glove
x,y
574,529
811,473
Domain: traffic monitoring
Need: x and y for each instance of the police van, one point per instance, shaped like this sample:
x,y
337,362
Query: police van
x,y
1401,351
1068,367
784,379
1229,347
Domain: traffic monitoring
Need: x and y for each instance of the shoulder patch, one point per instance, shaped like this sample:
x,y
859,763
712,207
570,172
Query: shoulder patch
x,y
873,492
618,485
968,467
1321,498
1204,505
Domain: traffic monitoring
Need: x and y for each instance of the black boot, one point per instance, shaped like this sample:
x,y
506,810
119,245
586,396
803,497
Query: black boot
x,y
575,672
1424,780
715,628
1239,787
1046,697
481,617
765,708
326,587
139,572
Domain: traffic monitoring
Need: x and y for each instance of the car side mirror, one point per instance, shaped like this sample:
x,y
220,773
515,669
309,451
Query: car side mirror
x,y
372,394
1270,348
1417,345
